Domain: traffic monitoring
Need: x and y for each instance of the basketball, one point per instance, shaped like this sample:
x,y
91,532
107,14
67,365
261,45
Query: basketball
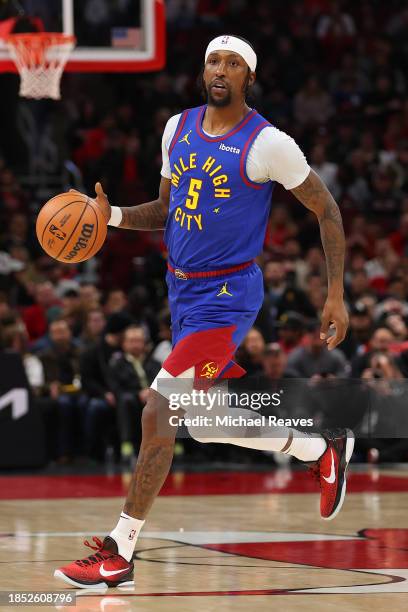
x,y
71,228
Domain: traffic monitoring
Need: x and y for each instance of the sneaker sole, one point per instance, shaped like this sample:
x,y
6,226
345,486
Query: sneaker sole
x,y
98,585
349,452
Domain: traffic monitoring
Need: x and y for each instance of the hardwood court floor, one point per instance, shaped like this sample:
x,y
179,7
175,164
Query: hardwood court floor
x,y
218,541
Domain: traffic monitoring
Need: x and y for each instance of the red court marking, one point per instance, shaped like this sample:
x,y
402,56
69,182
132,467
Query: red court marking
x,y
203,593
377,549
179,483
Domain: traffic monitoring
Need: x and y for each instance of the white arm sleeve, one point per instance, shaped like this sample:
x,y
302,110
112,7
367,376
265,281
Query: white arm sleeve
x,y
168,134
275,156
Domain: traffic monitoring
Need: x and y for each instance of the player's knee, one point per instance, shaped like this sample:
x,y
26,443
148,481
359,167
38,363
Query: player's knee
x,y
155,416
149,417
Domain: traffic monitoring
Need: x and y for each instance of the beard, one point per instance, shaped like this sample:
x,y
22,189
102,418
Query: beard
x,y
218,102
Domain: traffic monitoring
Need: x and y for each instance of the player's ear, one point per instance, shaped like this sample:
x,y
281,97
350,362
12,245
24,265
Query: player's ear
x,y
252,78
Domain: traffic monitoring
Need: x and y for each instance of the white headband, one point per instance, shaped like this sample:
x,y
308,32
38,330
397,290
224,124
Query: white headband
x,y
231,43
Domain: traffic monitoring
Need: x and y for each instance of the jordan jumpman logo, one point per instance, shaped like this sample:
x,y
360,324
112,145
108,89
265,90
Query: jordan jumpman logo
x,y
224,291
186,137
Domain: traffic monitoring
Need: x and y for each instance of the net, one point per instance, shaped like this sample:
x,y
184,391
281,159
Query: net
x,y
40,59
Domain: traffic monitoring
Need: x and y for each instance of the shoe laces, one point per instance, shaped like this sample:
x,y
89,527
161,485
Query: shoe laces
x,y
100,555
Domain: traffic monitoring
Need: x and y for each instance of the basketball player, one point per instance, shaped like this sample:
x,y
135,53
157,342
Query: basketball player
x,y
220,163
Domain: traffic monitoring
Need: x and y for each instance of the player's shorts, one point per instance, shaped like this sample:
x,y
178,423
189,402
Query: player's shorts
x,y
210,318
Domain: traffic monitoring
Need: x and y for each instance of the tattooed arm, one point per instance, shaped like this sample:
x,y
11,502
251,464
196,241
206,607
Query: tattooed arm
x,y
149,216
316,197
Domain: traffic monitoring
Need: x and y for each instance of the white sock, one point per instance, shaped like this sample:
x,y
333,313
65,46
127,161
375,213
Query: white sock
x,y
125,535
306,447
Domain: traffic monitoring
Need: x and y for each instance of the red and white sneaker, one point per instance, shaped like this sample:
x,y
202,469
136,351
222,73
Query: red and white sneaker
x,y
104,568
330,471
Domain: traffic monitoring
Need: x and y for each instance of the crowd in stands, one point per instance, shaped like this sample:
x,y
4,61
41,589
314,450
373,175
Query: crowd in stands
x,y
333,75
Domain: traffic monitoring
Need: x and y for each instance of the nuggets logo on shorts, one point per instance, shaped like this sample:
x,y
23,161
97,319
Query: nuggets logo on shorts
x,y
209,370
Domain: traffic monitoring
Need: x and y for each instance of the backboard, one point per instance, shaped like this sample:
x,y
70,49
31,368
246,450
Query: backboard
x,y
112,35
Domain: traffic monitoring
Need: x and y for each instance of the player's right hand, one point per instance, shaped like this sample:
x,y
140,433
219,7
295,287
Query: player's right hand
x,y
101,201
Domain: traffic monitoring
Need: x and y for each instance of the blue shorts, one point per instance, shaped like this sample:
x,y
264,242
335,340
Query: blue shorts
x,y
210,318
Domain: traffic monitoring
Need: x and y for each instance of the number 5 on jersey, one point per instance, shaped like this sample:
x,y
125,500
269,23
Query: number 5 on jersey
x,y
194,193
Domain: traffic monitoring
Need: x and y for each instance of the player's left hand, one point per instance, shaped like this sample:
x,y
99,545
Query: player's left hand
x,y
334,316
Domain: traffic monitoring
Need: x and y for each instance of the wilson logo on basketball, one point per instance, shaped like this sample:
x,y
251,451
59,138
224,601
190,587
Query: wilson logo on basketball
x,y
82,242
58,233
209,370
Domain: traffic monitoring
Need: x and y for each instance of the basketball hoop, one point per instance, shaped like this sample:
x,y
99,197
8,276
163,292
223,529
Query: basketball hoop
x,y
40,59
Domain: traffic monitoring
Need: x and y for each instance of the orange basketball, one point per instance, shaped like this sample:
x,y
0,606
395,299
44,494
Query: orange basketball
x,y
71,228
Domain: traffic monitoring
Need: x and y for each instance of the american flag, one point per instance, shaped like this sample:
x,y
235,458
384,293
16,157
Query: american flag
x,y
126,38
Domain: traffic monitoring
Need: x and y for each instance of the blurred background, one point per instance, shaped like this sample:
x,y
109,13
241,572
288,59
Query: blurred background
x,y
90,338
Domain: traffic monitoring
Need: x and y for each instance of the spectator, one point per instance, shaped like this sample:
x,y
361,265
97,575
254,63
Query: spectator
x,y
18,234
312,105
15,338
358,285
396,324
381,367
95,322
359,332
131,373
251,353
90,296
291,331
280,228
335,25
381,265
383,99
277,379
274,363
275,284
315,360
46,307
379,344
325,169
62,380
313,264
94,368
385,198
72,310
116,301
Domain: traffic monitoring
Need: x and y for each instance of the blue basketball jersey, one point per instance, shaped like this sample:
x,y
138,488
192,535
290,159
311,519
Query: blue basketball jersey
x,y
217,215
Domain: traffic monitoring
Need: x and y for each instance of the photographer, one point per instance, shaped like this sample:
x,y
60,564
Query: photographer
x,y
379,343
386,424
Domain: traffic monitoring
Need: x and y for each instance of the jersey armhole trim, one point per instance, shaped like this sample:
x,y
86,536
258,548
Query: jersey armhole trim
x,y
244,157
178,131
